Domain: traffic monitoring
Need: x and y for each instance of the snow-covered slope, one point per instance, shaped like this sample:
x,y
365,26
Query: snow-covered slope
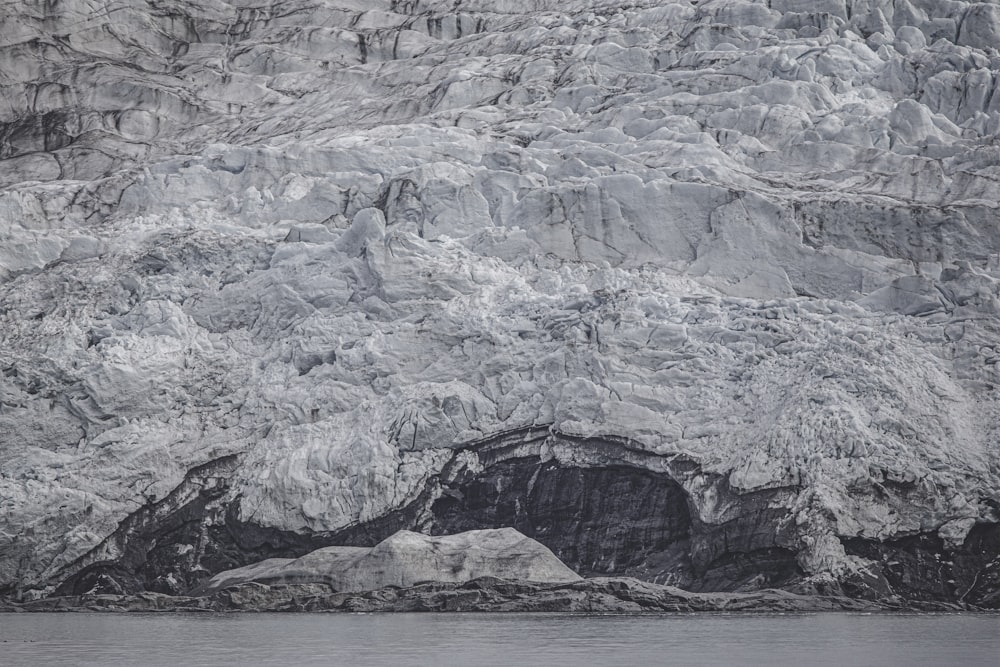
x,y
749,246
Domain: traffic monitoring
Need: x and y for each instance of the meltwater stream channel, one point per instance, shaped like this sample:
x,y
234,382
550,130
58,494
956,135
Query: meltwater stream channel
x,y
402,640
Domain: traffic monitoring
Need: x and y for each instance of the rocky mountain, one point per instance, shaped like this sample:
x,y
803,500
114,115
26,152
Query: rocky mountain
x,y
703,292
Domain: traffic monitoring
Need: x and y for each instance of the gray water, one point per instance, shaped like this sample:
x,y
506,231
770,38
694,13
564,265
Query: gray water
x,y
298,640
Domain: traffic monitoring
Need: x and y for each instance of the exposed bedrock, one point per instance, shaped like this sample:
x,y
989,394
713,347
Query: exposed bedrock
x,y
596,595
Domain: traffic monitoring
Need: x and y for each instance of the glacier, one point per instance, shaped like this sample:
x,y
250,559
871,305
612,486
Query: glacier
x,y
699,291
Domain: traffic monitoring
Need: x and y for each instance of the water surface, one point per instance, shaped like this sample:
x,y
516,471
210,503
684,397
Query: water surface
x,y
401,640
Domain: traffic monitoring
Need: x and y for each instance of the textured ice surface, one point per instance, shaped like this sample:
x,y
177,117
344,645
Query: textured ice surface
x,y
406,559
339,238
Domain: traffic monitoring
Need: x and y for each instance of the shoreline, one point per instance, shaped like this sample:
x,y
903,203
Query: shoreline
x,y
612,596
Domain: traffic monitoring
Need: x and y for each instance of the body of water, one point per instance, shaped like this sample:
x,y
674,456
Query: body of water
x,y
400,640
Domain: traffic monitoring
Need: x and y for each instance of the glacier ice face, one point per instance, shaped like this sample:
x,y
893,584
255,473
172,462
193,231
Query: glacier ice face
x,y
406,559
346,240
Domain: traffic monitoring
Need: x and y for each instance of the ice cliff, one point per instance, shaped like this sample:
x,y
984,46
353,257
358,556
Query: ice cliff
x,y
701,291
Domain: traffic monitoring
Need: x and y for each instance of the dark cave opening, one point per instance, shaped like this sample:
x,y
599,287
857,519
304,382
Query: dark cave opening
x,y
599,521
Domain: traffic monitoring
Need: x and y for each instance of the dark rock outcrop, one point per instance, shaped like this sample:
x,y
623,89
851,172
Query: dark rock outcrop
x,y
922,567
598,595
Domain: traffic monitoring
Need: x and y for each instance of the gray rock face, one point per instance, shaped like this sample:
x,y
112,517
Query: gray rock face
x,y
602,595
280,276
406,559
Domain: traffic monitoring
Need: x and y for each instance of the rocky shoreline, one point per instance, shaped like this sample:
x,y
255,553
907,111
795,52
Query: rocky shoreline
x,y
603,595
